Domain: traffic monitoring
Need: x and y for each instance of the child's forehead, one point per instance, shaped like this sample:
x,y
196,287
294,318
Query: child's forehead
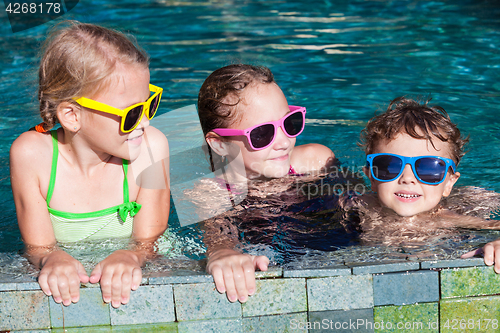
x,y
259,102
404,144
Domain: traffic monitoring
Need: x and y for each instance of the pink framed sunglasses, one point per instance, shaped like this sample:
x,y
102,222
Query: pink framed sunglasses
x,y
262,135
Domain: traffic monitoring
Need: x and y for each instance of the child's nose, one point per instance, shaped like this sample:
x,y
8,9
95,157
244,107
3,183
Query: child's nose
x,y
407,177
144,121
282,141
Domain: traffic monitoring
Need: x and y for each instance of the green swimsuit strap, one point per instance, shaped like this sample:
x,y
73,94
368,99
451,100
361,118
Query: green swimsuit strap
x,y
53,170
55,154
127,207
125,181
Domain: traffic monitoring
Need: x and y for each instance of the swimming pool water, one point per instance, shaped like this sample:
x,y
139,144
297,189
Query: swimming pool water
x,y
343,60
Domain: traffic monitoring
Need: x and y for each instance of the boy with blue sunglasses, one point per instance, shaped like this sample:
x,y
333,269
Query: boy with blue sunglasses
x,y
412,153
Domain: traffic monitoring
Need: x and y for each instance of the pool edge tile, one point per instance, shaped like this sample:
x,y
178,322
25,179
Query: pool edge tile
x,y
384,267
329,293
201,301
276,296
319,272
90,307
452,263
400,288
148,305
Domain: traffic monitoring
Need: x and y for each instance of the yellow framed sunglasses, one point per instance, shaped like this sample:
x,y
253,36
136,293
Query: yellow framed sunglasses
x,y
131,116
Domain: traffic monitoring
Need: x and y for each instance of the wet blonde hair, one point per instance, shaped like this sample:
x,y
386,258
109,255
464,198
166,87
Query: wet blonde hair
x,y
77,61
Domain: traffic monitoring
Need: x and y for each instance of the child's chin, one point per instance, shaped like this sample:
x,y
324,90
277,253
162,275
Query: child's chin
x,y
278,174
275,172
132,156
407,212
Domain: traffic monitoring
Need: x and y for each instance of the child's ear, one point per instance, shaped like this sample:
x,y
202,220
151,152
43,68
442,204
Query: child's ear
x,y
450,182
69,115
215,142
366,171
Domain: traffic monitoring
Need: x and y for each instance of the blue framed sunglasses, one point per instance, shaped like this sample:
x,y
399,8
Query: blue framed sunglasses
x,y
430,170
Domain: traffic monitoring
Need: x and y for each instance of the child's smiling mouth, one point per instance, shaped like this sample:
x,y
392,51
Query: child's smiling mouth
x,y
280,158
407,196
137,140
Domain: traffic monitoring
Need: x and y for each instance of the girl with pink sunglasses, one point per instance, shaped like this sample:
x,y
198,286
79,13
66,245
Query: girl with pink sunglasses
x,y
250,130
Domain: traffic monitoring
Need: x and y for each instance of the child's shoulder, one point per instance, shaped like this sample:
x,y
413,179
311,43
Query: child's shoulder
x,y
32,146
156,136
154,149
312,156
156,141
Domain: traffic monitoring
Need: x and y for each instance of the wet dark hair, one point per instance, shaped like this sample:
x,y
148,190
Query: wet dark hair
x,y
418,120
214,107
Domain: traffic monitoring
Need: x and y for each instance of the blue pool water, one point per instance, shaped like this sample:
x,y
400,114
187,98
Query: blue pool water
x,y
343,60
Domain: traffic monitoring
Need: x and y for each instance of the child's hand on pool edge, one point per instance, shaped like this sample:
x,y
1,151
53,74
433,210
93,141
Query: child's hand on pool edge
x,y
118,274
61,276
490,252
234,272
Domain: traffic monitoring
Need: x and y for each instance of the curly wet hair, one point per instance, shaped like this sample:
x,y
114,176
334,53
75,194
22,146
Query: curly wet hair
x,y
418,120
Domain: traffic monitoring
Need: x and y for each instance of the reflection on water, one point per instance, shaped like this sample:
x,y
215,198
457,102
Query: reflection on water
x,y
465,208
297,225
299,221
340,59
175,252
448,248
368,236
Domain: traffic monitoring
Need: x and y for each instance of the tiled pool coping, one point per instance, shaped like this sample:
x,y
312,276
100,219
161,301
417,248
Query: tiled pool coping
x,y
430,296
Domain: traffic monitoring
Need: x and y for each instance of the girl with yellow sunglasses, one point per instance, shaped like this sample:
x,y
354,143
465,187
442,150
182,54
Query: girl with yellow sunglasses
x,y
81,182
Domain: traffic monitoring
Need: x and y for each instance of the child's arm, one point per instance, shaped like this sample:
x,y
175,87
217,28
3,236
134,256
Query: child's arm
x,y
233,272
312,157
491,250
60,274
121,271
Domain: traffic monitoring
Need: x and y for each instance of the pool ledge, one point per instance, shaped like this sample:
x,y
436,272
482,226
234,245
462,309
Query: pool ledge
x,y
428,296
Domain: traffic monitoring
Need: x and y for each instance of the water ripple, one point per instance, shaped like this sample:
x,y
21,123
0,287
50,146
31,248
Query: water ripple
x,y
343,60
